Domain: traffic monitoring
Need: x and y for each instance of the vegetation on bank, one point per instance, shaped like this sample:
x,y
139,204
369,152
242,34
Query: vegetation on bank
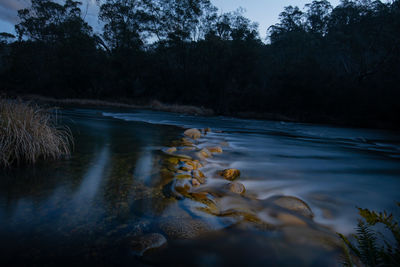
x,y
372,247
29,133
123,103
319,64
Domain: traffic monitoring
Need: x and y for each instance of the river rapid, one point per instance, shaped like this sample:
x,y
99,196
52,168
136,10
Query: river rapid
x,y
118,195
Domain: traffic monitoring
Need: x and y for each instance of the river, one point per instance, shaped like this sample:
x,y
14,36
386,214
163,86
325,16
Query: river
x,y
89,207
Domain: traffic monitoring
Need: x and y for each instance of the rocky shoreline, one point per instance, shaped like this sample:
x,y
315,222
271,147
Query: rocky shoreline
x,y
209,193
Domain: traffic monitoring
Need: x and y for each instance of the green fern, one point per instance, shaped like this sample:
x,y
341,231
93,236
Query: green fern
x,y
366,247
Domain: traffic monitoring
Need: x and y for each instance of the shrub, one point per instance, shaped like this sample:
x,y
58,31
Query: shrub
x,y
367,247
29,133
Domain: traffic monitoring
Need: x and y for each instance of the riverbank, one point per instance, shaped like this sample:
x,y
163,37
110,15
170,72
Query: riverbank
x,y
153,105
323,119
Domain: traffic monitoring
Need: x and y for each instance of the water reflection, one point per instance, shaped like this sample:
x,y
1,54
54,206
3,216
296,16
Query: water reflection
x,y
92,178
144,166
92,204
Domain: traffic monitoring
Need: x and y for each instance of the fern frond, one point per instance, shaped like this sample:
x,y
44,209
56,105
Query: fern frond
x,y
366,239
349,245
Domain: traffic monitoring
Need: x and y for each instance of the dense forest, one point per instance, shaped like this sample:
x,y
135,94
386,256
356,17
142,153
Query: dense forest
x,y
319,63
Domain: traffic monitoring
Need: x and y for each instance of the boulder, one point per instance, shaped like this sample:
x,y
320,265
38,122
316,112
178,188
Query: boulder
x,y
186,167
216,149
204,153
192,133
194,163
230,174
293,204
237,188
199,175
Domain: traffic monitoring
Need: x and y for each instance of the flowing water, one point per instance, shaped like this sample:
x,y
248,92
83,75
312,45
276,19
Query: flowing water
x,y
113,189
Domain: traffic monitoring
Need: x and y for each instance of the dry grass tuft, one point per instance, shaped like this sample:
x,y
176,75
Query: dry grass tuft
x,y
29,133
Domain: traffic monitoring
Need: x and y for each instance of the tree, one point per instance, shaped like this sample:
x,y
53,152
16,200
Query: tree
x,y
317,16
290,20
48,21
123,23
234,26
6,37
179,20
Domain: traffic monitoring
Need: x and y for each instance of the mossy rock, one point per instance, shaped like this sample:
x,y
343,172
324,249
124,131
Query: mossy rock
x,y
230,174
216,149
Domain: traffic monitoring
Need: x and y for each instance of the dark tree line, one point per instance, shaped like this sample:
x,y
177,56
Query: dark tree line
x,y
319,63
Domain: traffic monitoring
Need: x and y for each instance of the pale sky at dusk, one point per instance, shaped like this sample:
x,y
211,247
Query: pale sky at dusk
x,y
265,12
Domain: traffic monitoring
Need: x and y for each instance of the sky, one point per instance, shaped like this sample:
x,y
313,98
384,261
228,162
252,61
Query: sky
x,y
265,12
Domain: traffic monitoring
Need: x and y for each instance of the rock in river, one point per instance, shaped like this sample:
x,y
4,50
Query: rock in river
x,y
205,153
177,228
216,149
199,175
294,204
230,174
171,150
237,188
192,133
142,244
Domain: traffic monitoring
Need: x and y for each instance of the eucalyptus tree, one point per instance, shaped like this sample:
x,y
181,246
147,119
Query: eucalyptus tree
x,y
317,16
234,26
291,20
123,23
49,21
179,20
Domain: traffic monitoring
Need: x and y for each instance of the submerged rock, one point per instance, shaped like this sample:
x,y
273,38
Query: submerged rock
x,y
188,148
194,163
142,244
177,228
177,188
195,182
293,204
237,188
224,144
171,150
186,167
230,174
290,219
183,176
204,153
192,133
186,142
199,175
216,149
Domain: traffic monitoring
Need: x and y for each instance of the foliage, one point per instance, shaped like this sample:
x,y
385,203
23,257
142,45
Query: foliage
x,y
367,248
29,133
48,21
320,63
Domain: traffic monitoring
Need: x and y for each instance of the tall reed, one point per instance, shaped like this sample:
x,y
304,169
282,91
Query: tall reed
x,y
29,133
